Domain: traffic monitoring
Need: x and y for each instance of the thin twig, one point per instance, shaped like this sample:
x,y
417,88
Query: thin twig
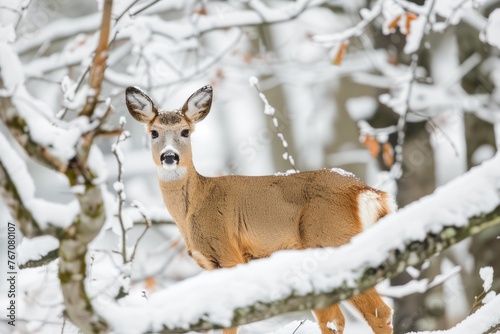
x,y
120,191
435,126
204,68
144,8
148,225
63,324
396,169
118,18
21,13
270,110
301,323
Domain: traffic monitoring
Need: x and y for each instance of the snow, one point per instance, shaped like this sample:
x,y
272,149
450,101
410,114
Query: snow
x,y
12,70
142,210
483,319
489,297
7,34
282,138
300,272
253,81
97,165
482,153
486,274
118,186
417,31
36,248
335,38
361,108
59,29
59,142
44,213
492,28
287,173
452,10
342,172
417,286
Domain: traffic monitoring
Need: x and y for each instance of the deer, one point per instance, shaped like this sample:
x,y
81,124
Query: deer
x,y
230,220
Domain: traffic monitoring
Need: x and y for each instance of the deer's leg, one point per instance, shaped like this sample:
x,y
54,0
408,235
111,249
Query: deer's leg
x,y
330,320
374,310
233,330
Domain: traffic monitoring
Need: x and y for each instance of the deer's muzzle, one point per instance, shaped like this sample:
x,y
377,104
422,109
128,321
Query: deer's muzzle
x,y
169,158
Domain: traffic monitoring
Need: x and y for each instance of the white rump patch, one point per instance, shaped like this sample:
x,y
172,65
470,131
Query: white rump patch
x,y
168,173
369,207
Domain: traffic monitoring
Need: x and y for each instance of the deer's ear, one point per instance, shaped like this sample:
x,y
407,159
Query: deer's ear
x,y
198,105
140,105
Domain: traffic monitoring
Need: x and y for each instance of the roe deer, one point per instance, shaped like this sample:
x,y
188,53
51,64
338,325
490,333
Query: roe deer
x,y
233,219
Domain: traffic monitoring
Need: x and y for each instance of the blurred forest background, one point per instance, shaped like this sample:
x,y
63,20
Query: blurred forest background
x,y
405,94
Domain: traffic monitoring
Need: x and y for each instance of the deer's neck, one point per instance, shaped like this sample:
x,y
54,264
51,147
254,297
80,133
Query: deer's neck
x,y
179,188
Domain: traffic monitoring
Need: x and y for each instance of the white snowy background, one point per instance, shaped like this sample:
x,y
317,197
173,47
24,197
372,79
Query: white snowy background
x,y
340,82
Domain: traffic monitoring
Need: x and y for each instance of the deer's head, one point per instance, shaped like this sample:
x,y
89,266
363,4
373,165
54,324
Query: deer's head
x,y
170,131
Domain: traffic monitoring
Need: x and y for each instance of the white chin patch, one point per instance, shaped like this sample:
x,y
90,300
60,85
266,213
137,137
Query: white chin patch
x,y
168,173
169,167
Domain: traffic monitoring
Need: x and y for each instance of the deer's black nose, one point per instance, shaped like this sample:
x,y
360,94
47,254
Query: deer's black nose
x,y
169,158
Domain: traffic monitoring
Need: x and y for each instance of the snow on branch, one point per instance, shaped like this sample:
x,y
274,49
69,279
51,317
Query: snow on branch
x,y
258,14
29,120
314,278
35,216
38,251
368,16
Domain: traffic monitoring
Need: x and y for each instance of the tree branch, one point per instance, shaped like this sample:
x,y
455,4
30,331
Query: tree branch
x,y
17,126
99,64
16,188
45,259
403,239
29,227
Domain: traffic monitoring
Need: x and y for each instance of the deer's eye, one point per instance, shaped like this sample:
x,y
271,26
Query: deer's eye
x,y
185,133
154,134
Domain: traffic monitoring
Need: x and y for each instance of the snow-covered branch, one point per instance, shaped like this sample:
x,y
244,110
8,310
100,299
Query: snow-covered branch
x,y
315,278
18,192
29,119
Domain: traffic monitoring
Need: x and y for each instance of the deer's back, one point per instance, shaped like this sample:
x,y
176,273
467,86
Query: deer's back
x,y
259,215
